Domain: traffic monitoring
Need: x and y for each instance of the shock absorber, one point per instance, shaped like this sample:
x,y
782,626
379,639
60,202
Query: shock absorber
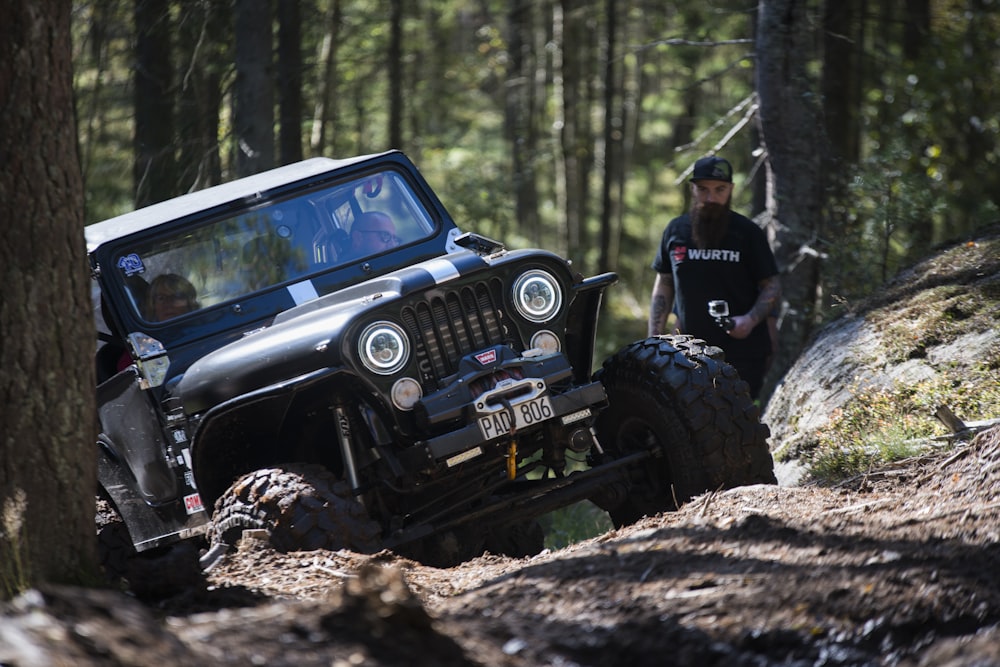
x,y
343,420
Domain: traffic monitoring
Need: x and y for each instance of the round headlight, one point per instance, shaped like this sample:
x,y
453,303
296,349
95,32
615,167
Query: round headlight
x,y
537,296
383,348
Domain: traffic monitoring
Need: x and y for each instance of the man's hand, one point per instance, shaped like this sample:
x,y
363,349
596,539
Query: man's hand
x,y
770,292
742,326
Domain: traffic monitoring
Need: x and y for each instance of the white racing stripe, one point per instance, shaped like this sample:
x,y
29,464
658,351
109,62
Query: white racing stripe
x,y
441,269
302,292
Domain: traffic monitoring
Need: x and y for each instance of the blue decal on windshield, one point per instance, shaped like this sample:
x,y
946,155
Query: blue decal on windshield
x,y
131,264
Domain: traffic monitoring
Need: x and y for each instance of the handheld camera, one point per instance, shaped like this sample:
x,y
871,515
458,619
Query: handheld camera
x,y
719,310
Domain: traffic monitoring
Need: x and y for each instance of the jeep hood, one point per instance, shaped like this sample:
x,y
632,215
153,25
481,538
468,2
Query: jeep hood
x,y
308,338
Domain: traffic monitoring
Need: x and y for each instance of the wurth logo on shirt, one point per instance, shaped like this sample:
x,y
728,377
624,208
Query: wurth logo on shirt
x,y
682,253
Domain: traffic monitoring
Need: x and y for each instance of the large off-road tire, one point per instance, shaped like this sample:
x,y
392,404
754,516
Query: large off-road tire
x,y
674,396
303,507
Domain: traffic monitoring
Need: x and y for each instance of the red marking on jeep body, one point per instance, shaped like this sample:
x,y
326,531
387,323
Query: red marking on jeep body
x,y
486,358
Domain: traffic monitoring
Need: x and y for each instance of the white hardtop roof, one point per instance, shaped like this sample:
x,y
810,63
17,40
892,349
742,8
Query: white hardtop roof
x,y
178,207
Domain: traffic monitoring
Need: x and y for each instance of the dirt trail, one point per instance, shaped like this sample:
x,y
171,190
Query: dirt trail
x,y
896,568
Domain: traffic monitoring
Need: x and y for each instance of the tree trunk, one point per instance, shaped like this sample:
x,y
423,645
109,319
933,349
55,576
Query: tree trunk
x,y
395,59
916,28
574,139
556,47
431,115
290,80
200,100
90,105
154,170
253,116
326,87
47,449
795,193
841,82
610,191
631,84
520,105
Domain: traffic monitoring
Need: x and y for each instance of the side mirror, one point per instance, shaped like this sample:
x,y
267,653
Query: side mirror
x,y
152,359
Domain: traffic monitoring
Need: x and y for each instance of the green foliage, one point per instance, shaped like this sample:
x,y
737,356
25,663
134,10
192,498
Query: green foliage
x,y
952,293
928,137
908,334
476,192
928,142
942,99
574,523
956,291
879,426
886,206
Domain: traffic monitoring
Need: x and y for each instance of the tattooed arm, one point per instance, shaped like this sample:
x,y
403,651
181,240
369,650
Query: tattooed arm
x,y
661,303
767,298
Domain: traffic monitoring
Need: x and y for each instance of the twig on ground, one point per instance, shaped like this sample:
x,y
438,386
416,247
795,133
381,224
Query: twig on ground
x,y
859,506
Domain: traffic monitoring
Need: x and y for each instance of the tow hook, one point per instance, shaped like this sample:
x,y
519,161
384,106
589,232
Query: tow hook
x,y
512,447
512,460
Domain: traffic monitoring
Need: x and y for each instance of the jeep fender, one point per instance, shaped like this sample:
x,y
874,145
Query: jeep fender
x,y
133,439
148,527
581,325
245,432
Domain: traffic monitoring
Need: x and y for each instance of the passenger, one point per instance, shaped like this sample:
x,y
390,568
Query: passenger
x,y
170,295
373,232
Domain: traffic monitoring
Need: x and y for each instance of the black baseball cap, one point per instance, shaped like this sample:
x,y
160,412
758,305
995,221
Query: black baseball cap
x,y
712,168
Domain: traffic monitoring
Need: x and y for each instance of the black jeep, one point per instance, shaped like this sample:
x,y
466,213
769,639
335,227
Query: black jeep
x,y
263,366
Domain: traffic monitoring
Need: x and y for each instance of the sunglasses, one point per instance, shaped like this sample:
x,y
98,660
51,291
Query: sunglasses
x,y
384,237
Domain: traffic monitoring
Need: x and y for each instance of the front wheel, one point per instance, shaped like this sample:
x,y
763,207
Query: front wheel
x,y
303,507
675,397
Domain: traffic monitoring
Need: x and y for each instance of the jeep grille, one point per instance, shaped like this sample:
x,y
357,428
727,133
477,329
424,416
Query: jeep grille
x,y
449,325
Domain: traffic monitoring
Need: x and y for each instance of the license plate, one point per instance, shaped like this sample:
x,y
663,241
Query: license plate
x,y
526,414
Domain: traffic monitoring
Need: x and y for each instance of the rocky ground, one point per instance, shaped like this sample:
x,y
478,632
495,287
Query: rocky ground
x,y
897,567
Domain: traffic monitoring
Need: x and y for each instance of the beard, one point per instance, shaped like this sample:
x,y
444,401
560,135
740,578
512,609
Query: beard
x,y
709,224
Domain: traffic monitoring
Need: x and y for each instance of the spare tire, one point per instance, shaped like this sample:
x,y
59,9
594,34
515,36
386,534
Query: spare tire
x,y
675,397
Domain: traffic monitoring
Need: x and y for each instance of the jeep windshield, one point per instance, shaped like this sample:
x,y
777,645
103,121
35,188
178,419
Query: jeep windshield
x,y
270,243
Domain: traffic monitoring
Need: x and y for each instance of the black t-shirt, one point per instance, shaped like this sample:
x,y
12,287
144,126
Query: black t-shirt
x,y
730,272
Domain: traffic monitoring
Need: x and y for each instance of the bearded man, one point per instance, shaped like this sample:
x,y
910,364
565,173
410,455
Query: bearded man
x,y
712,260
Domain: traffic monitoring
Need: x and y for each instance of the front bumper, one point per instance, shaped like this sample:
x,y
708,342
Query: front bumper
x,y
485,391
467,438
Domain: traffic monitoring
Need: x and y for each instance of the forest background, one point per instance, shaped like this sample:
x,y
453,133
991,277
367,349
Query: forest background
x,y
863,132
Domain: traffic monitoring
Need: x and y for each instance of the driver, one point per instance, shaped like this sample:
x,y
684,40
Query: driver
x,y
373,232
